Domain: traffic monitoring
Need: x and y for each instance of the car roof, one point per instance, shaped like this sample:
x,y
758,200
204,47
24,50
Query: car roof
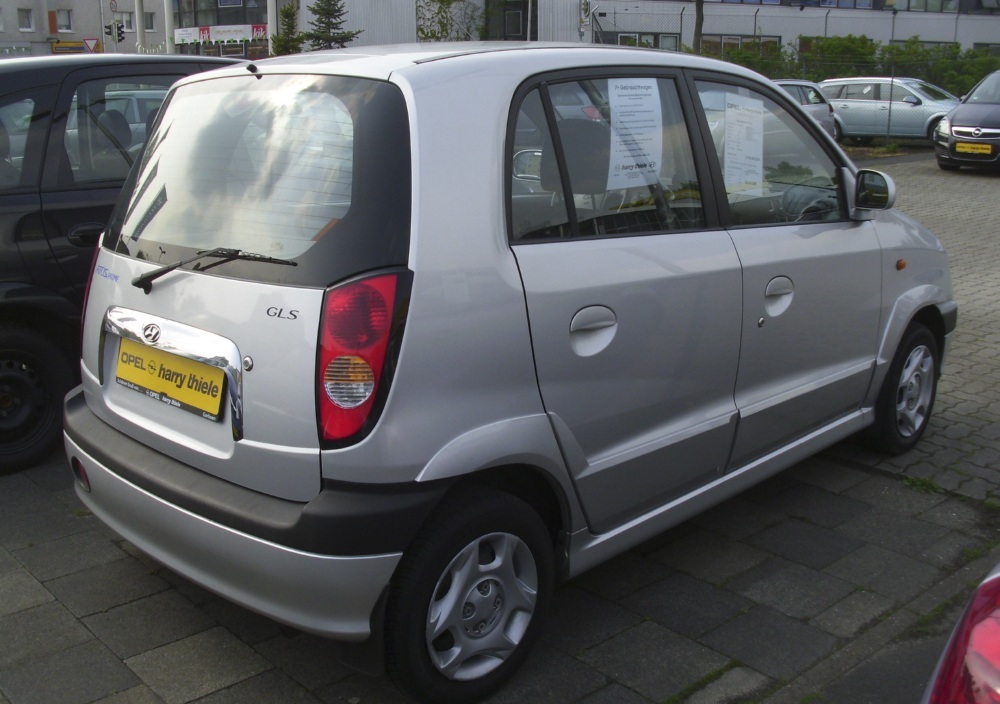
x,y
22,72
901,79
457,58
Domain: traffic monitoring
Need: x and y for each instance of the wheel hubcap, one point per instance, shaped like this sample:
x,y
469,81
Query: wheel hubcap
x,y
914,393
481,606
22,397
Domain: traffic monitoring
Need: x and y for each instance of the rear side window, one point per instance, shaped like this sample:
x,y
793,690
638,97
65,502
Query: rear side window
x,y
602,157
309,169
19,155
105,129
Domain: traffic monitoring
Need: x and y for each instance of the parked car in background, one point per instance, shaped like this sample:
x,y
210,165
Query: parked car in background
x,y
343,366
970,134
70,128
968,671
812,100
886,107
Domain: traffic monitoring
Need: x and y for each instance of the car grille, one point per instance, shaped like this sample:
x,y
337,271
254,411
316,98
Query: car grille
x,y
969,132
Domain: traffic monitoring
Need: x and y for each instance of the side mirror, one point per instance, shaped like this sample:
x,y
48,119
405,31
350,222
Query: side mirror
x,y
912,100
873,190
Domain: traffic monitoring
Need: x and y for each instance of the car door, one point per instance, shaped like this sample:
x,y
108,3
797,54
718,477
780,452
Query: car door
x,y
89,155
24,120
632,292
907,117
811,276
862,109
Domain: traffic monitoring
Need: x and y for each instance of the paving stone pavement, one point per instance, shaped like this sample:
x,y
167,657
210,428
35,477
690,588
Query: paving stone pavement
x,y
834,582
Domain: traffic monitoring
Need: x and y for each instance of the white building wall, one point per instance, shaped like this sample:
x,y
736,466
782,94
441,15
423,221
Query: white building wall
x,y
383,21
653,16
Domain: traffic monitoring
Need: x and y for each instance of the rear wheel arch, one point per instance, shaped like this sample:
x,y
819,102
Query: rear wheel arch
x,y
529,484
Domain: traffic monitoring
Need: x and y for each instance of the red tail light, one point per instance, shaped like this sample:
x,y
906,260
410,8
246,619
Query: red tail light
x,y
970,668
359,322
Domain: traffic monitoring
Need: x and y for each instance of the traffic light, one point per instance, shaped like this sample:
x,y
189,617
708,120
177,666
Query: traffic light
x,y
121,31
109,29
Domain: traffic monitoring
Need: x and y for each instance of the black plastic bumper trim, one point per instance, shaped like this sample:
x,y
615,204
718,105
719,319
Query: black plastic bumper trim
x,y
345,519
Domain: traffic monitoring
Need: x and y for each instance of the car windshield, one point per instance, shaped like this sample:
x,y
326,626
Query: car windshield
x,y
988,91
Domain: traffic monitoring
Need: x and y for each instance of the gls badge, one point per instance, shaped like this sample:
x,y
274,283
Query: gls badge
x,y
276,312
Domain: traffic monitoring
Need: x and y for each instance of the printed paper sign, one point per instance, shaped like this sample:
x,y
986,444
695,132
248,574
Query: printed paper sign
x,y
744,154
636,132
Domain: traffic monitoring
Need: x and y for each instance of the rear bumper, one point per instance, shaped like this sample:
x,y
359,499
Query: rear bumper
x,y
234,553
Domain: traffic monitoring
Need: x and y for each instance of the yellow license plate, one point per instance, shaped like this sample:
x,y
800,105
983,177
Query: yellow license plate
x,y
971,148
176,381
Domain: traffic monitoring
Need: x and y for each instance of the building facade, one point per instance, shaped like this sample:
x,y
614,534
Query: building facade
x,y
243,27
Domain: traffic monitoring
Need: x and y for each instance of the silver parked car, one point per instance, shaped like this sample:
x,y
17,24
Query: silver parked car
x,y
812,100
382,343
886,107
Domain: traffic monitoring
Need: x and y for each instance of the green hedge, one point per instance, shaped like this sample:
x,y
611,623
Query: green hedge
x,y
818,58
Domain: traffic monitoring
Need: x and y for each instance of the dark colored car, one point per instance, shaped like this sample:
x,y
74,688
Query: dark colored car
x,y
65,150
970,134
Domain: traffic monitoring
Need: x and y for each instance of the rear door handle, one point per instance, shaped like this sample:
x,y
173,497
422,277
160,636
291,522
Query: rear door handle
x,y
85,234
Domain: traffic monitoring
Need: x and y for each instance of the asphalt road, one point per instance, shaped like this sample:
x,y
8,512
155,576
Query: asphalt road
x,y
837,581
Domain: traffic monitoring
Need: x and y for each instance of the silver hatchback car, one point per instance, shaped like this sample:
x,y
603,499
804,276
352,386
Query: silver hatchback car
x,y
383,343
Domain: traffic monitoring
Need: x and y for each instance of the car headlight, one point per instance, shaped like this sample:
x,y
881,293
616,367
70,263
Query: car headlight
x,y
944,127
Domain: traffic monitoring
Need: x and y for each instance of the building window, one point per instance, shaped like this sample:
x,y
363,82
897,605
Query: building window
x,y
25,20
126,19
647,41
719,44
64,20
150,25
1,19
512,23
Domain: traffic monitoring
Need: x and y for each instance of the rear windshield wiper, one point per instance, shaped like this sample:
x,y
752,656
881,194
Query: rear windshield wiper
x,y
145,281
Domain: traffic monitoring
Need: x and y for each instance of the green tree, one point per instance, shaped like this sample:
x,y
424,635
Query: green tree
x,y
447,20
288,40
327,26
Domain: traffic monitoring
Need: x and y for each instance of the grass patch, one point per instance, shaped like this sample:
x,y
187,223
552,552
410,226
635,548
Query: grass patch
x,y
927,486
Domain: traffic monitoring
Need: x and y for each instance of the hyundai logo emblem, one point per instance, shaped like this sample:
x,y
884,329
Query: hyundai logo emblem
x,y
977,132
151,332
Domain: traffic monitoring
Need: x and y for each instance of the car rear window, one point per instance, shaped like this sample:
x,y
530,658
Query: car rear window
x,y
312,169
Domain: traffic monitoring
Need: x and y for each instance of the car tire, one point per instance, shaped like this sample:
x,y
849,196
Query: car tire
x,y
904,404
946,166
467,600
838,132
34,378
931,129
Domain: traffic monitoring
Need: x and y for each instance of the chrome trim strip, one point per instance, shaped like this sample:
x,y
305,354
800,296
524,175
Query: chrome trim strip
x,y
184,341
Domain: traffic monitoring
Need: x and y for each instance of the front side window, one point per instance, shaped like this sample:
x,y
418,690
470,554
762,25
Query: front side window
x,y
602,157
899,94
774,171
